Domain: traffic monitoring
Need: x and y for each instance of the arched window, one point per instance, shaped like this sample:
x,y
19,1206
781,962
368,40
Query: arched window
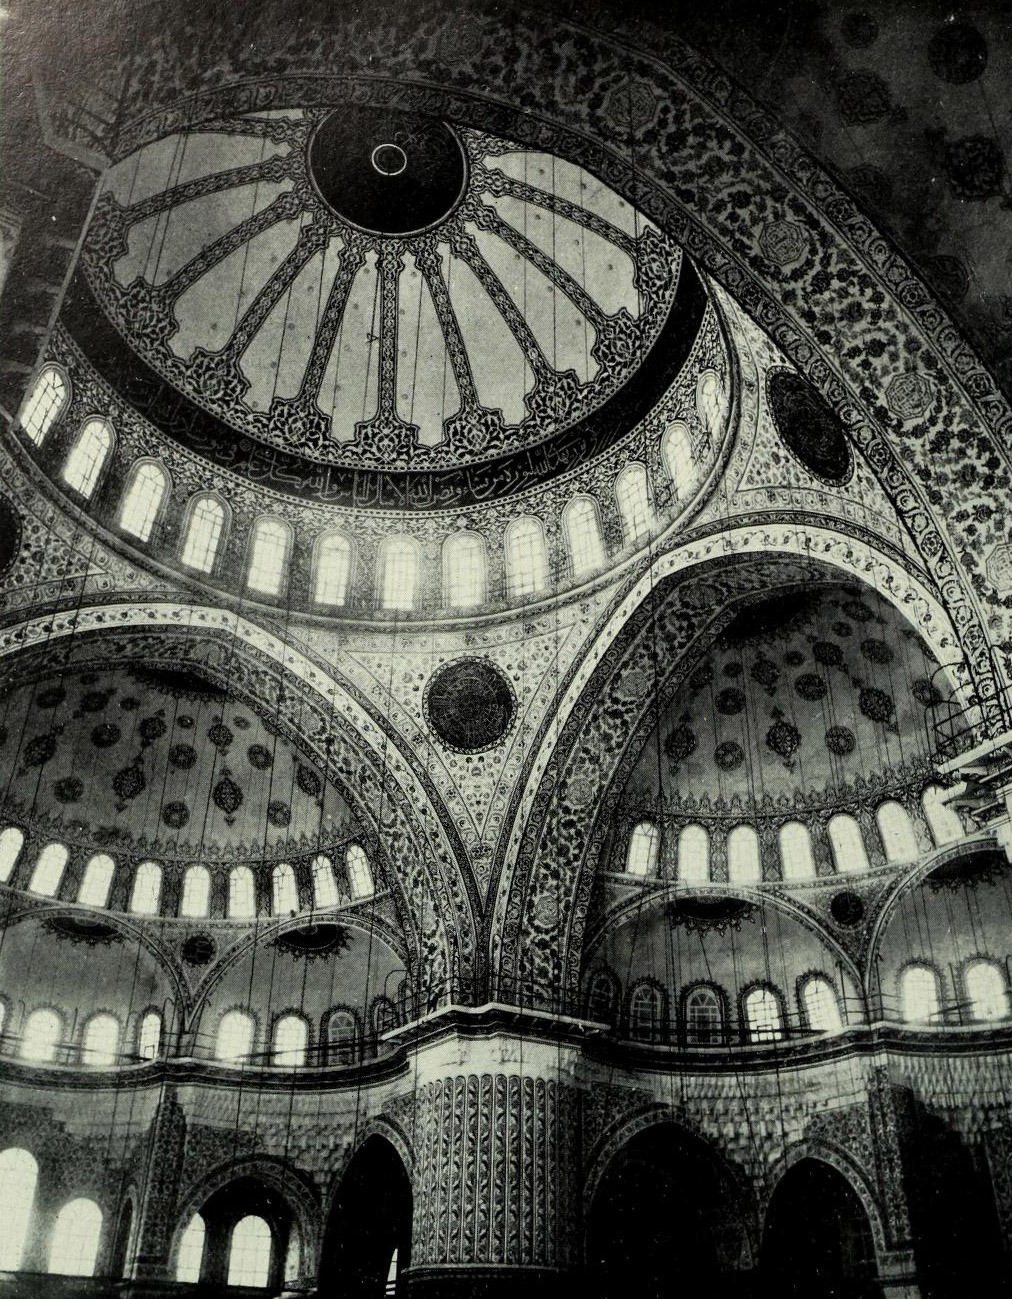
x,y
583,536
3,1021
646,1012
644,846
196,892
88,455
268,555
398,573
190,1258
704,1017
676,452
324,885
11,842
920,998
986,991
897,832
147,890
942,818
143,499
763,1016
236,1032
602,998
333,569
393,1271
97,880
242,894
249,1253
342,1037
41,1037
822,1009
464,570
632,493
694,855
74,1243
49,868
743,861
709,400
291,1042
845,838
100,1047
204,530
44,404
384,1015
796,860
284,892
19,1174
526,557
359,872
149,1036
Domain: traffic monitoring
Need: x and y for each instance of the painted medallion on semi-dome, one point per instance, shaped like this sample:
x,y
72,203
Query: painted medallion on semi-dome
x,y
470,704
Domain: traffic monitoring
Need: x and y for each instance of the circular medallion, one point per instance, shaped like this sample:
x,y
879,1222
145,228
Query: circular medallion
x,y
957,53
469,704
808,426
198,949
847,909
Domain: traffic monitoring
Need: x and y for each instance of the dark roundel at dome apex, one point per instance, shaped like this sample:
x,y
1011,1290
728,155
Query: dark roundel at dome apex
x,y
469,704
957,53
808,426
387,171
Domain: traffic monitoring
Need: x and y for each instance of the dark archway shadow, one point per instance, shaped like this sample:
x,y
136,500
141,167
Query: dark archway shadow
x,y
370,1219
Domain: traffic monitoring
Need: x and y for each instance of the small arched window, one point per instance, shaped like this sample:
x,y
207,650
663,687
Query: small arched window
x,y
796,860
676,452
88,455
602,998
44,404
268,557
11,842
342,1037
100,1047
242,894
149,1036
704,1017
290,1046
583,536
763,1016
284,892
897,832
97,880
632,493
526,557
384,1016
147,890
41,1037
190,1258
19,1175
3,1021
249,1253
709,400
646,1012
74,1243
986,991
143,499
204,529
196,892
49,868
845,838
694,855
398,573
920,998
644,847
942,818
324,885
359,872
743,861
822,1009
464,566
333,569
236,1032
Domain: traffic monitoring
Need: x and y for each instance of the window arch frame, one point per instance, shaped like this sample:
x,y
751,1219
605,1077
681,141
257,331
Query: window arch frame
x,y
87,482
601,976
385,599
144,1018
594,564
689,829
287,533
677,430
357,864
778,1033
56,1044
153,518
935,813
39,866
639,516
659,1020
178,1255
322,866
937,1016
221,540
187,908
333,1047
52,417
20,1209
998,969
719,1038
146,870
9,862
246,874
91,869
317,568
58,1239
269,1264
805,982
286,871
788,853
110,1058
649,832
240,1059
744,833
452,579
530,577
291,1016
841,851
890,837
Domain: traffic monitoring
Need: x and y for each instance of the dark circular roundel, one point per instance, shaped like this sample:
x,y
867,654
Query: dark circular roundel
x,y
957,53
847,909
198,949
469,704
385,171
809,427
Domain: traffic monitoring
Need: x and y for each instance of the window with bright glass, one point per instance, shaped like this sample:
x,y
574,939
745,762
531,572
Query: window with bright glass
x,y
897,832
19,1175
333,569
342,1037
74,1242
97,880
11,843
644,846
526,557
743,863
583,536
44,404
88,455
646,1012
291,1042
602,998
847,842
398,573
709,400
3,1021
920,998
147,890
100,1046
391,1286
821,1006
986,991
676,452
49,868
190,1257
40,1039
464,570
284,893
942,818
143,499
249,1254
324,884
763,1017
796,859
268,556
359,872
235,1036
694,855
704,1017
242,899
196,892
149,1038
632,492
203,533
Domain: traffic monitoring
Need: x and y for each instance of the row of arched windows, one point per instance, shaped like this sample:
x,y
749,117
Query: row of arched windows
x,y
290,1044
250,1246
44,1038
797,860
985,993
146,892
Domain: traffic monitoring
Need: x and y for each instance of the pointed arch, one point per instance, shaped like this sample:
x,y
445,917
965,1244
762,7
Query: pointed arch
x,y
146,490
88,455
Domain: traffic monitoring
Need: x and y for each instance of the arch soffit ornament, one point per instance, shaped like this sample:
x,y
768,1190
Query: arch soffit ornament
x,y
848,1169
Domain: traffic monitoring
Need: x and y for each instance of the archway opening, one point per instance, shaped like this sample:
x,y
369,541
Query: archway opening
x,y
367,1245
247,1229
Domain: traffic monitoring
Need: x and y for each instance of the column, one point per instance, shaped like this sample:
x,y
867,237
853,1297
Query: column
x,y
157,1211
